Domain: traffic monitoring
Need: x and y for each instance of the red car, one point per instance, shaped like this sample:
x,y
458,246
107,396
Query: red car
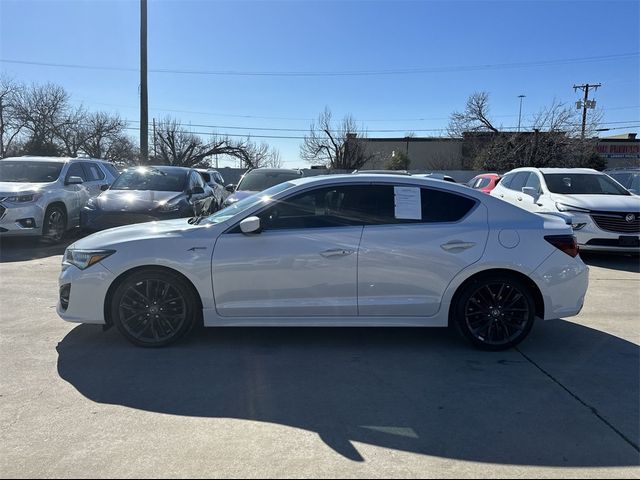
x,y
484,182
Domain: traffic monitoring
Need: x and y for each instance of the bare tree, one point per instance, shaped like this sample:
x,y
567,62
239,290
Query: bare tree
x,y
99,131
10,124
177,146
42,110
474,118
70,132
335,146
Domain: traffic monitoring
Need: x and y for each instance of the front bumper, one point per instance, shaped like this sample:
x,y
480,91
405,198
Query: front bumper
x,y
593,238
86,297
13,218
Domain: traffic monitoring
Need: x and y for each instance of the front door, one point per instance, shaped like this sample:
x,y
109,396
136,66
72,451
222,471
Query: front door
x,y
302,264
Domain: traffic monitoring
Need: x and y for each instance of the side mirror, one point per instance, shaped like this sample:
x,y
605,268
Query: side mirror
x,y
196,191
230,188
250,225
74,181
532,192
105,187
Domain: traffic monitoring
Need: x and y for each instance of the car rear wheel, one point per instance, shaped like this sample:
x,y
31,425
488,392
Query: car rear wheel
x,y
495,313
154,308
54,224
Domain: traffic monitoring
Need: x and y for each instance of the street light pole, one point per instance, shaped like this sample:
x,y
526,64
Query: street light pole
x,y
520,113
144,102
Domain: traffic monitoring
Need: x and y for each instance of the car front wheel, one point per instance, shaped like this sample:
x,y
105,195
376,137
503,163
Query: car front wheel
x,y
495,313
153,308
54,224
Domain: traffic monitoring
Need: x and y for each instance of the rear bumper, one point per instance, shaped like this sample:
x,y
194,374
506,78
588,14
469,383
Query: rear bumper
x,y
563,282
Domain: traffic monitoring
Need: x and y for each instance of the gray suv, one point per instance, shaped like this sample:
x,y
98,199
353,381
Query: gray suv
x,y
43,196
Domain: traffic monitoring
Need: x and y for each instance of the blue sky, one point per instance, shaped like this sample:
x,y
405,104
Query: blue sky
x,y
335,37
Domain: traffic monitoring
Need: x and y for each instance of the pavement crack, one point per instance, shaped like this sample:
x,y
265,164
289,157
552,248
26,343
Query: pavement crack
x,y
593,410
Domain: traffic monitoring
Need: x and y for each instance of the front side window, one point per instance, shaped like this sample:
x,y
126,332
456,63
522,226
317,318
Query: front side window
x,y
93,172
76,170
583,184
29,172
533,182
481,182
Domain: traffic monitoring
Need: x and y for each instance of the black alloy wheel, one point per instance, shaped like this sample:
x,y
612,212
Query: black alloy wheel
x,y
54,224
153,308
495,313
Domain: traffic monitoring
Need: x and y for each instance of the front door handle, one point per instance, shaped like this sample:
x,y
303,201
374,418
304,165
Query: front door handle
x,y
337,252
457,246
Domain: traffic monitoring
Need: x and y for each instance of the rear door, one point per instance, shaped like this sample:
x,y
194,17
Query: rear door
x,y
408,256
77,195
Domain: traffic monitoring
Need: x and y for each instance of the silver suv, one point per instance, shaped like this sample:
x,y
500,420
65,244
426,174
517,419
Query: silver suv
x,y
43,196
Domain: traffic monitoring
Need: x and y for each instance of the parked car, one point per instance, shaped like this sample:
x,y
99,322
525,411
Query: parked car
x,y
334,250
213,178
257,180
629,178
605,216
484,182
381,172
146,194
436,176
43,196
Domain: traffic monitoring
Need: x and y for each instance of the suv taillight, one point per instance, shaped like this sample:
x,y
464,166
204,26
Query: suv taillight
x,y
567,243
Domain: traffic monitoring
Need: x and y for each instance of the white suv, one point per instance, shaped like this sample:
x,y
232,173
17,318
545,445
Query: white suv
x,y
43,196
604,215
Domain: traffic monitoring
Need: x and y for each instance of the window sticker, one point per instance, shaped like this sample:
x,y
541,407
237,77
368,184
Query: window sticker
x,y
408,205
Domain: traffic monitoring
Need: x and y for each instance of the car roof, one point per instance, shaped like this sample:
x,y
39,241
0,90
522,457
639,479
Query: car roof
x,y
276,170
555,170
163,168
30,158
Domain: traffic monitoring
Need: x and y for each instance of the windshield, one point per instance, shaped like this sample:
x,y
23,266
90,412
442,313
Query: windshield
x,y
257,180
30,172
583,184
630,180
246,203
150,179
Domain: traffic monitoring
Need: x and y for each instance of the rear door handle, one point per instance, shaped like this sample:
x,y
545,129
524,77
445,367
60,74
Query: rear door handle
x,y
457,246
519,199
337,252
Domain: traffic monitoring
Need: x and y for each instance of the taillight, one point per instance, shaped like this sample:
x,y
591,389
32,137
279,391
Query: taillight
x,y
567,243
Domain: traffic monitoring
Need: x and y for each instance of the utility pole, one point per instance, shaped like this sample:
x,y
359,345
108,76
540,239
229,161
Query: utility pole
x,y
520,113
155,151
144,100
586,103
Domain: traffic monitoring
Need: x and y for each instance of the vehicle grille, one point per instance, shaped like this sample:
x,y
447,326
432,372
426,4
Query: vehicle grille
x,y
617,222
115,220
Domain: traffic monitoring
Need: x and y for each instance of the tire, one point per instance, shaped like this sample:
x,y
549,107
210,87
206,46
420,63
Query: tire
x,y
494,312
54,224
154,308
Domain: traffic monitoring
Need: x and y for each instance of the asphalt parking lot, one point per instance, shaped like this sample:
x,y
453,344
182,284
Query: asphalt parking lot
x,y
77,402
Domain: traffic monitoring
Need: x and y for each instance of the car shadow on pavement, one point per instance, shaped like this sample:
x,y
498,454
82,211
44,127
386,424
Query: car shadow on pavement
x,y
415,390
626,263
21,249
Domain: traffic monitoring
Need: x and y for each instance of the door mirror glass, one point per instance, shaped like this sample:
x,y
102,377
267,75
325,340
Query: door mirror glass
x,y
73,180
250,225
532,192
104,187
230,188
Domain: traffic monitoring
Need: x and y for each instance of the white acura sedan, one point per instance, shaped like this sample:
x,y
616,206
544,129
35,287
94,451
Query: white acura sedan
x,y
334,250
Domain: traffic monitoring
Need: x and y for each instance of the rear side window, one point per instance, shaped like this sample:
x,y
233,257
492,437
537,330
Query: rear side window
x,y
441,206
481,182
506,180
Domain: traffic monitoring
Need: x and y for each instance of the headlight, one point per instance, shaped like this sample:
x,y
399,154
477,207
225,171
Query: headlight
x,y
85,258
169,207
563,207
91,204
24,198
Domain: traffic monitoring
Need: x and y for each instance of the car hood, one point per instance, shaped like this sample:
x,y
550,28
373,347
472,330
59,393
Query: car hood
x,y
604,203
19,187
239,195
133,200
167,229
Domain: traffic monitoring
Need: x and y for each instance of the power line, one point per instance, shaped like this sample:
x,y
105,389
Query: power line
x,y
337,73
